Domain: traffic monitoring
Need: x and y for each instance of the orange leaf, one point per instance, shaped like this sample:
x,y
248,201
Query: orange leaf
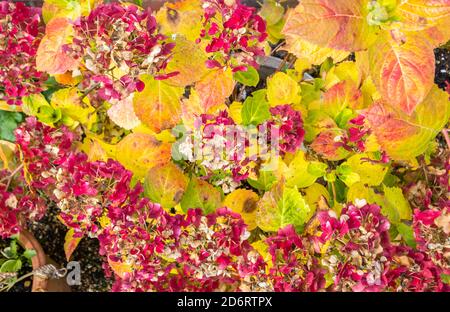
x,y
50,57
402,71
404,137
325,145
70,243
336,24
120,268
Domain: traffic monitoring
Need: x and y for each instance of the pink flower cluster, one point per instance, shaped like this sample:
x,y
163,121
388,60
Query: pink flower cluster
x,y
233,30
146,248
116,44
21,30
181,253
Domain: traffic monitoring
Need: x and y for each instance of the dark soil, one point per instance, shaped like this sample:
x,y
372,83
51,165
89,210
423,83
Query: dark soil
x,y
50,232
442,72
24,285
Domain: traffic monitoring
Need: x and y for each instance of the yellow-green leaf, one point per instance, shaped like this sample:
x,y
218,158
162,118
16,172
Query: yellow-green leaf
x,y
281,206
201,194
165,184
303,173
158,106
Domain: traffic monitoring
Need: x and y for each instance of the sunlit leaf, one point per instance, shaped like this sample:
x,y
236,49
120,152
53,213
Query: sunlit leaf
x,y
215,87
67,8
303,173
325,144
182,18
282,89
369,173
188,60
395,199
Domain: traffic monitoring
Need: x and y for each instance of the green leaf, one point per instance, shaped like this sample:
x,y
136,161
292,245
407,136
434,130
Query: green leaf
x,y
11,266
347,175
265,181
280,207
445,278
407,233
255,109
250,77
8,123
29,253
201,194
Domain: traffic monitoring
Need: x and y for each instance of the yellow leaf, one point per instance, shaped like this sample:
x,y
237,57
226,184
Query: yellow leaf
x,y
312,53
243,202
313,195
404,137
188,59
303,173
67,8
158,106
68,100
7,152
369,173
120,268
139,152
165,184
234,111
181,18
329,23
282,89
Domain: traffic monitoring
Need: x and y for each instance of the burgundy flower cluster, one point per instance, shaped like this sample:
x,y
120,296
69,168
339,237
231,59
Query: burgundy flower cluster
x,y
289,124
234,31
21,30
354,139
116,44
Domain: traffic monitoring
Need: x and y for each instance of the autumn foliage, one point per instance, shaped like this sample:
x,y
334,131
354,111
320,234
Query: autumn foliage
x,y
170,138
